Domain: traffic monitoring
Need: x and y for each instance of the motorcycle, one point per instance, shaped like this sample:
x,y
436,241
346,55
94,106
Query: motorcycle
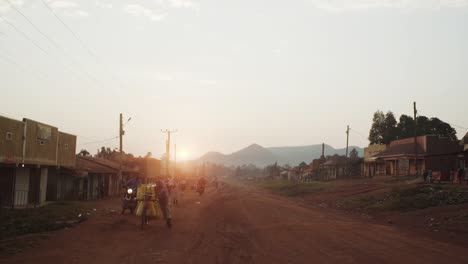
x,y
129,200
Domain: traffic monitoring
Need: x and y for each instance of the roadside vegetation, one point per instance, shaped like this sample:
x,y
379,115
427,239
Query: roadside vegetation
x,y
409,198
289,188
51,217
400,179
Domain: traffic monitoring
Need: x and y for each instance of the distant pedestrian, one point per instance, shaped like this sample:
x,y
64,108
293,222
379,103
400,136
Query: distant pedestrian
x,y
101,190
461,174
465,172
163,199
425,173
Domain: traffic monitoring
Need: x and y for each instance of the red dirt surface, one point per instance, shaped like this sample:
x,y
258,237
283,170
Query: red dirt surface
x,y
238,224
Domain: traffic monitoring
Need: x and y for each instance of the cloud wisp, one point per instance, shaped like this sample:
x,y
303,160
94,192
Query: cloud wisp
x,y
63,4
104,5
68,8
142,11
160,8
338,6
5,6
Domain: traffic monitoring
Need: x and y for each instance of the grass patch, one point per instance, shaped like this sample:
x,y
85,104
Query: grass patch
x,y
402,179
411,198
289,188
35,220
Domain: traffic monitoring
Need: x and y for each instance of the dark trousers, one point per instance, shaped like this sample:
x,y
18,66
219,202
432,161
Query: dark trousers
x,y
164,205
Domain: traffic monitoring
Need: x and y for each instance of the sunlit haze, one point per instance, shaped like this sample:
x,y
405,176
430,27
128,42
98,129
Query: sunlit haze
x,y
227,74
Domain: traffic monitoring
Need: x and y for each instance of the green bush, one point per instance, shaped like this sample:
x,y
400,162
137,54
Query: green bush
x,y
289,188
34,220
411,198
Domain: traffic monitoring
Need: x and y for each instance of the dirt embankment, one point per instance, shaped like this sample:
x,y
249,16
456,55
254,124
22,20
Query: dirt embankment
x,y
436,211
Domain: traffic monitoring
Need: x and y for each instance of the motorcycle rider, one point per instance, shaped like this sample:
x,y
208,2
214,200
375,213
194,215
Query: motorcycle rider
x,y
215,182
129,200
201,185
133,183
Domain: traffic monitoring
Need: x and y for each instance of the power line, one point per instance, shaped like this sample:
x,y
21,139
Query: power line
x,y
98,141
52,41
9,60
32,24
452,124
91,53
23,34
80,41
358,133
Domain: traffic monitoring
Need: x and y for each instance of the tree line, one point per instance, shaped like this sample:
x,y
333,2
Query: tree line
x,y
385,127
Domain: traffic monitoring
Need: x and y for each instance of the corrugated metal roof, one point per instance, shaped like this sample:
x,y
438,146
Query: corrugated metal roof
x,y
400,150
90,165
110,164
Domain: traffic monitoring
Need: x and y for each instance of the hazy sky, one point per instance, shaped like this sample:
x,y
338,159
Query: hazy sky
x,y
230,73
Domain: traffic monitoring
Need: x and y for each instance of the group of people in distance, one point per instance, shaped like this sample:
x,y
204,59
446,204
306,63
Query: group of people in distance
x,y
167,190
460,175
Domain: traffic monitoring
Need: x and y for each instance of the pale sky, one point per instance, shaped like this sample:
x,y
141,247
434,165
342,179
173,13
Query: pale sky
x,y
230,73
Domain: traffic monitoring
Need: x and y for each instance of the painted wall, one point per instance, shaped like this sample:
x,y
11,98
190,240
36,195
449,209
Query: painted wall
x,y
66,150
41,143
11,151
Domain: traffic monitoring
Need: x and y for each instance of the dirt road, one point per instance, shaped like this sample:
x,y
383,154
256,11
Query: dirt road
x,y
238,224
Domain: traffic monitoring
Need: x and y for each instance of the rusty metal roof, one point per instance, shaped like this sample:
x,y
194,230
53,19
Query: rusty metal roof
x,y
110,164
400,150
90,165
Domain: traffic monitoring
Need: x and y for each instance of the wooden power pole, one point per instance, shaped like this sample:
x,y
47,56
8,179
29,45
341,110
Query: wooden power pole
x,y
415,139
175,160
121,133
347,142
168,148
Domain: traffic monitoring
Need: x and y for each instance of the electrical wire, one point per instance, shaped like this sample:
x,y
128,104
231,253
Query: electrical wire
x,y
98,141
358,133
34,72
91,53
452,124
55,44
23,34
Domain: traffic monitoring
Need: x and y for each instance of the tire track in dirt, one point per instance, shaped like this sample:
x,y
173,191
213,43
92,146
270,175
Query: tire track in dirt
x,y
225,235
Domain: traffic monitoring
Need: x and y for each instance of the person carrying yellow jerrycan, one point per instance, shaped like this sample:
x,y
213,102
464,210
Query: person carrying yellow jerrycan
x,y
150,191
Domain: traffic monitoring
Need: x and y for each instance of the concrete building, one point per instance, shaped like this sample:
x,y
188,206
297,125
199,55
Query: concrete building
x,y
28,151
433,153
371,165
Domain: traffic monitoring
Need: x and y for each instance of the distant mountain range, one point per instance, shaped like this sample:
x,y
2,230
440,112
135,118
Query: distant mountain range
x,y
260,156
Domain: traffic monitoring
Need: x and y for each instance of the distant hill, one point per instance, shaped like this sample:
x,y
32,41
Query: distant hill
x,y
260,156
253,154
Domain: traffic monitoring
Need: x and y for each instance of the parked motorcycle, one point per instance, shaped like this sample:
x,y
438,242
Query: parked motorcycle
x,y
129,200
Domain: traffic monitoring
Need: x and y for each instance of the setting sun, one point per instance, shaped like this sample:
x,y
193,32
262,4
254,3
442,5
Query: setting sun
x,y
184,154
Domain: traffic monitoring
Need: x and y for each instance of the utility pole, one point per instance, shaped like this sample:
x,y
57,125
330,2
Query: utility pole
x,y
347,142
415,139
168,148
121,133
175,160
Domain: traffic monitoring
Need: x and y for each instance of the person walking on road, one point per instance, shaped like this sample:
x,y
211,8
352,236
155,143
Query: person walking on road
x,y
163,199
175,192
461,175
